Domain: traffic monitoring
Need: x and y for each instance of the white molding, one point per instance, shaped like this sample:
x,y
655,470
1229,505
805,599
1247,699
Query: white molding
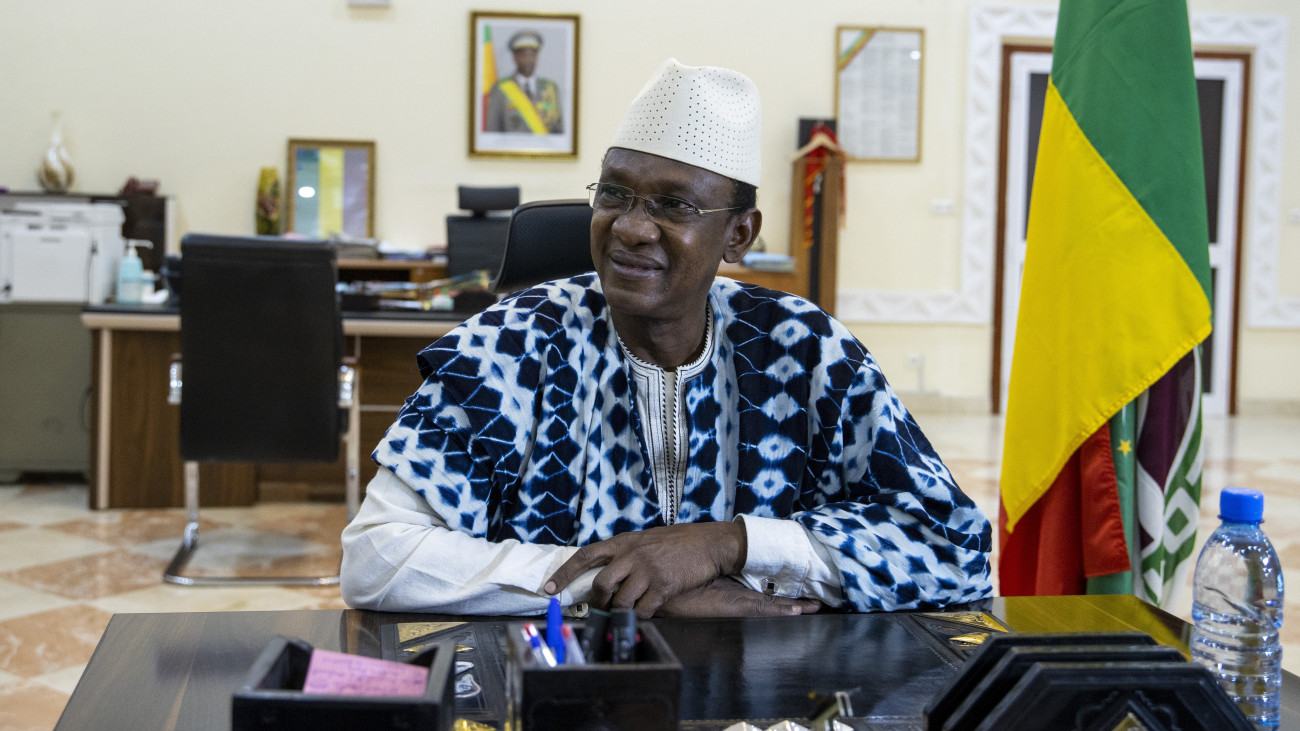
x,y
989,26
1266,35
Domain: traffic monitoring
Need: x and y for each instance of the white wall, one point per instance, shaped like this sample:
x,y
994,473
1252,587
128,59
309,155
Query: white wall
x,y
201,95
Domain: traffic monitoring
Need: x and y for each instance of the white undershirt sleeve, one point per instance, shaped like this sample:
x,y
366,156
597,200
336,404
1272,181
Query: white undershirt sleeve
x,y
400,556
783,559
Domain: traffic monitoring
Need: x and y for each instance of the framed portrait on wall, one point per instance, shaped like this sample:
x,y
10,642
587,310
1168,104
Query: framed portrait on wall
x,y
523,85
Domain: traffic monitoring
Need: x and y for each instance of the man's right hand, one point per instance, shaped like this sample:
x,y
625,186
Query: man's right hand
x,y
643,569
726,597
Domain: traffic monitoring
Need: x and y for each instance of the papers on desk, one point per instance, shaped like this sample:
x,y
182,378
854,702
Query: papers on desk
x,y
438,294
339,673
768,262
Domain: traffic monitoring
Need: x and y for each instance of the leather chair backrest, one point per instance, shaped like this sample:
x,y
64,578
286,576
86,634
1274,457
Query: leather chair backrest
x,y
261,346
481,200
547,240
477,241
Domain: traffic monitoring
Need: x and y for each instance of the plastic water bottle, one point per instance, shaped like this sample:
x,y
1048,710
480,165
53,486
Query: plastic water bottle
x,y
1237,607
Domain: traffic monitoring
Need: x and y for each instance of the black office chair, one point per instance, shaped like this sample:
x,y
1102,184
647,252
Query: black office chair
x,y
477,241
546,240
263,378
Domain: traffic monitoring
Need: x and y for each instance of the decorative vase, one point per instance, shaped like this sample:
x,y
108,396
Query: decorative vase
x,y
56,174
268,202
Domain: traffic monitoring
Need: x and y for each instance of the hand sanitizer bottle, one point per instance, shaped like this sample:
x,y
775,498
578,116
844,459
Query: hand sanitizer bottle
x,y
130,275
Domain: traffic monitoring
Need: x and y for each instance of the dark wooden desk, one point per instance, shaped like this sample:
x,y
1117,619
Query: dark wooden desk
x,y
177,671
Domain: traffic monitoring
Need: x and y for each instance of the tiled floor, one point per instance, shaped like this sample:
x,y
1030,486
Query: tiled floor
x,y
64,570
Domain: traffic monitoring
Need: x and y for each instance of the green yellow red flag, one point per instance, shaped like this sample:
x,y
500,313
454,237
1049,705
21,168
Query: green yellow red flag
x,y
489,72
1115,289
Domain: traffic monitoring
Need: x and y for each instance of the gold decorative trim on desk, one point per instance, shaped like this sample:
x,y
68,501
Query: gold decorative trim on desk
x,y
961,631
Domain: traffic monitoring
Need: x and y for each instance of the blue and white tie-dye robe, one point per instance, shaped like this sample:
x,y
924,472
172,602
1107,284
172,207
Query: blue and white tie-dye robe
x,y
526,427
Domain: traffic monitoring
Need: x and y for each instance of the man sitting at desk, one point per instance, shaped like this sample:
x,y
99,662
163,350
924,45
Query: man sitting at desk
x,y
655,436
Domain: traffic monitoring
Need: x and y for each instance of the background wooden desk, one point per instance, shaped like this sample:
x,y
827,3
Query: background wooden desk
x,y
413,270
135,457
177,671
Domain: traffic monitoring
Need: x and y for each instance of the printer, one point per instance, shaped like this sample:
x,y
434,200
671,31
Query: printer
x,y
59,251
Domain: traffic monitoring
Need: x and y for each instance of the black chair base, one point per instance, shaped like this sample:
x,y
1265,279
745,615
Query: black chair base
x,y
190,540
190,543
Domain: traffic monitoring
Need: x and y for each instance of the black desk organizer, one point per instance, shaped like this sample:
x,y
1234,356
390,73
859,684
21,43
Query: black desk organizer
x,y
1083,681
893,666
644,695
272,698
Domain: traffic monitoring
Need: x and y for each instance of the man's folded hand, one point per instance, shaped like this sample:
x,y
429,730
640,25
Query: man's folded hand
x,y
644,569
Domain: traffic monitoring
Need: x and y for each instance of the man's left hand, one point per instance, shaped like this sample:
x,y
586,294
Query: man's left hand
x,y
644,569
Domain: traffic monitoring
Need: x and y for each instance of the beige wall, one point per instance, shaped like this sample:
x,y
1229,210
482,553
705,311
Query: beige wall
x,y
201,95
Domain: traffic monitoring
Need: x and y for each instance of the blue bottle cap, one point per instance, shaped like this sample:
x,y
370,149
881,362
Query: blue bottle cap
x,y
1241,505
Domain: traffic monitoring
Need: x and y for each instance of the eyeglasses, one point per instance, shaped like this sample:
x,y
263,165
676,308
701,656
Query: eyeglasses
x,y
611,198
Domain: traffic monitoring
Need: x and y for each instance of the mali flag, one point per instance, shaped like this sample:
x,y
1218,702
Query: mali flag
x,y
1105,390
489,73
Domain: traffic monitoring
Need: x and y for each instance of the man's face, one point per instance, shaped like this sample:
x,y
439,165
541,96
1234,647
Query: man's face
x,y
658,271
525,60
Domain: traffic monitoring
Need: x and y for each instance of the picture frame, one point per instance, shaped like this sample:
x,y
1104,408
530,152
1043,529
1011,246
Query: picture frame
x,y
331,188
534,115
878,89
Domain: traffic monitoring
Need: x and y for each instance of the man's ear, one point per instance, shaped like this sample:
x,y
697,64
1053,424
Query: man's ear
x,y
742,232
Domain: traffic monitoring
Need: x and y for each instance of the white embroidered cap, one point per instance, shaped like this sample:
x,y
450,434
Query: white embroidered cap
x,y
700,115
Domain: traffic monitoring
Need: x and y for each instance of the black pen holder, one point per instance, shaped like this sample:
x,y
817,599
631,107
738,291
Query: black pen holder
x,y
272,698
642,695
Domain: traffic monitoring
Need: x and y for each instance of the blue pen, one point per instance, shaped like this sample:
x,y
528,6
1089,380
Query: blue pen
x,y
554,636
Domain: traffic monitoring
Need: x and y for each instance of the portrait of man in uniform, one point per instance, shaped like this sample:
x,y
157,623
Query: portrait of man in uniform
x,y
525,102
524,85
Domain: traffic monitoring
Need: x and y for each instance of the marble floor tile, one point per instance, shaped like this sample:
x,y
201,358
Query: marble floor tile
x,y
130,527
17,600
173,598
323,597
30,706
43,504
242,552
1281,471
91,577
45,642
63,681
23,547
321,525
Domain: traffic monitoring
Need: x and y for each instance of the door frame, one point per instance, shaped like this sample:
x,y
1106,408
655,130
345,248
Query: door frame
x,y
1005,155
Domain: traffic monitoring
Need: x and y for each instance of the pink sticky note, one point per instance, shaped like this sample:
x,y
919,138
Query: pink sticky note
x,y
338,673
